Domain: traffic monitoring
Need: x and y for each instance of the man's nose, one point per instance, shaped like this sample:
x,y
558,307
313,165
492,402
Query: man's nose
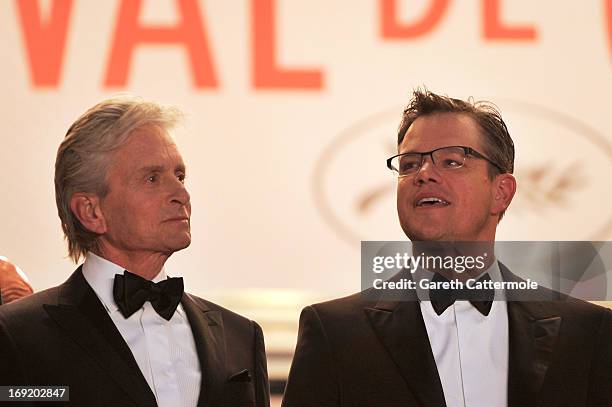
x,y
180,194
428,172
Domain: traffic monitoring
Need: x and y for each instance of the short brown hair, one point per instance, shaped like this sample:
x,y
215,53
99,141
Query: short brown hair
x,y
497,143
84,157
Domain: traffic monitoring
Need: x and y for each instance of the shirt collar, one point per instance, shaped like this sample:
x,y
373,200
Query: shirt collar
x,y
100,275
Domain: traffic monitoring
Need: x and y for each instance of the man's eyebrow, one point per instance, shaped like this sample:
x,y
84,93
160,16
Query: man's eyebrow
x,y
151,168
159,168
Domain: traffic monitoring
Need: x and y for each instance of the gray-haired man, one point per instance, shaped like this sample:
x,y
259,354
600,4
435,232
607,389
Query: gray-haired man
x,y
120,331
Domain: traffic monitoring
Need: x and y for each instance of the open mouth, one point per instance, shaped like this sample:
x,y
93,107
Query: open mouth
x,y
431,202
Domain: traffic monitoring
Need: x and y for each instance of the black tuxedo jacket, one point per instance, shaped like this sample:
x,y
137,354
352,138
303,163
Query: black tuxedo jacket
x,y
64,336
355,352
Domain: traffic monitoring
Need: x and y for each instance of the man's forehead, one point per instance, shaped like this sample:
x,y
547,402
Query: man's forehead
x,y
149,148
158,162
150,135
441,130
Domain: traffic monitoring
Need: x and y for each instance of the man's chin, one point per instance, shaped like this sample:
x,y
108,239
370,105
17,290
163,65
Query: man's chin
x,y
429,238
181,243
425,234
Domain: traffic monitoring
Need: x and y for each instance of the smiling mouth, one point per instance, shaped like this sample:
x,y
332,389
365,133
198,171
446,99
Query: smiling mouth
x,y
432,202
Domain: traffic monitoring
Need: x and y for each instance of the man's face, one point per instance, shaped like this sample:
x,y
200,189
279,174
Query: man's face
x,y
467,191
147,209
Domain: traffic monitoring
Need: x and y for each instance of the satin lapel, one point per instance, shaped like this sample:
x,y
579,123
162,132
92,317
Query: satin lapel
x,y
533,334
209,336
400,327
82,316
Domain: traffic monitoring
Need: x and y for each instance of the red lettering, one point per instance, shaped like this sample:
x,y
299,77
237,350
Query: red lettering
x,y
45,41
392,28
494,29
188,32
266,73
609,20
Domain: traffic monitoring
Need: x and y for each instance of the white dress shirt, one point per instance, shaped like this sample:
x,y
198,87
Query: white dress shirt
x,y
164,350
470,349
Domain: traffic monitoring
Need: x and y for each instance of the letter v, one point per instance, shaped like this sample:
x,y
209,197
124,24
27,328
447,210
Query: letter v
x,y
45,41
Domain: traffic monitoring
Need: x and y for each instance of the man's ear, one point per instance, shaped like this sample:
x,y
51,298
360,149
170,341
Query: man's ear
x,y
86,208
504,189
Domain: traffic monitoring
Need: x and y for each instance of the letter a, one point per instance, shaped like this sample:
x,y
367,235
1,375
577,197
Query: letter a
x,y
189,32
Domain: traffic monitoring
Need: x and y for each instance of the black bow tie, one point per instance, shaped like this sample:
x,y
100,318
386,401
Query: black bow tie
x,y
131,292
442,299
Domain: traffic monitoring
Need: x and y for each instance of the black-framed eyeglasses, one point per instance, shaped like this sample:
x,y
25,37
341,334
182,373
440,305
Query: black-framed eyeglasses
x,y
444,158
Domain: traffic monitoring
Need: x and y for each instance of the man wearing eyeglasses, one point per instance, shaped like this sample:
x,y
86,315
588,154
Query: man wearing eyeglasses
x,y
454,164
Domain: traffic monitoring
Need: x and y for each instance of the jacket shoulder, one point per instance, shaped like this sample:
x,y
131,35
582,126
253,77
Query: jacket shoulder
x,y
229,317
350,303
582,314
346,313
24,309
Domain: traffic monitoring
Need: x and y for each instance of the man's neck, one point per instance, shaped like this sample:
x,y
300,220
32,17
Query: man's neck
x,y
145,264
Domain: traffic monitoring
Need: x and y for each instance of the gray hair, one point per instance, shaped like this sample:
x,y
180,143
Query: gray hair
x,y
84,157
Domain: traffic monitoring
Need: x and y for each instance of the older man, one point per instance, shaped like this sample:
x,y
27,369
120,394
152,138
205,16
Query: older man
x,y
120,331
455,162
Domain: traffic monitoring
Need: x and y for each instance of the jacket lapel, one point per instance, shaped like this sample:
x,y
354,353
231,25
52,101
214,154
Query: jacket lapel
x,y
209,336
400,327
84,319
533,331
532,338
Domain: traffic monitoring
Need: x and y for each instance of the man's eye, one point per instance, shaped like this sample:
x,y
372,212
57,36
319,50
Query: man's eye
x,y
152,178
409,165
181,177
450,163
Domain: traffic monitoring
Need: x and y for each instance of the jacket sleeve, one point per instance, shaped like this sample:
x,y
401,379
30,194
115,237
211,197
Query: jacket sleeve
x,y
313,381
262,387
600,380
